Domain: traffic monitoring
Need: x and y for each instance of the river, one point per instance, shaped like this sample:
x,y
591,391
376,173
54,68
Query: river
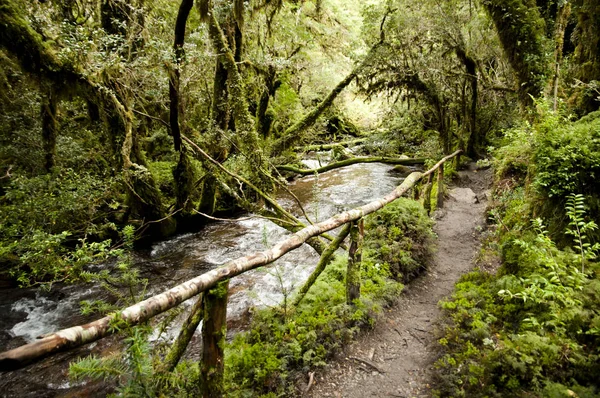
x,y
28,313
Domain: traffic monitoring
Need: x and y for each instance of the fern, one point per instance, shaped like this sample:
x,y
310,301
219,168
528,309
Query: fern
x,y
578,229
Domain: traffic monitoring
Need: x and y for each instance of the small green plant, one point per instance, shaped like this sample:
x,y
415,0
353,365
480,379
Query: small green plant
x,y
579,228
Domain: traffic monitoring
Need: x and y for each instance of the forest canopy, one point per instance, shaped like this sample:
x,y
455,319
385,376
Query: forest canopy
x,y
128,122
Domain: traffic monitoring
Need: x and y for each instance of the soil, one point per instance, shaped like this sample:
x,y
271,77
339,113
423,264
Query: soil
x,y
396,357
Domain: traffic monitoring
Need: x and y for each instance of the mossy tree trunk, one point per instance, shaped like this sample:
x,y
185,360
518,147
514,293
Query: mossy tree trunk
x,y
475,141
49,114
324,261
354,261
185,336
587,51
292,134
521,30
214,331
264,119
183,173
562,18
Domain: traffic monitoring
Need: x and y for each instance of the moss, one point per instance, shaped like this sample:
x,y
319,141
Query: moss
x,y
399,237
522,33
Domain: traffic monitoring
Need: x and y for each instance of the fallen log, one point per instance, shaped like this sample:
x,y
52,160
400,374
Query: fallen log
x,y
351,161
326,147
80,335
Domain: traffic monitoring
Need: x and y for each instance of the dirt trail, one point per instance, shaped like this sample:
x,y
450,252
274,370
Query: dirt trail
x,y
399,352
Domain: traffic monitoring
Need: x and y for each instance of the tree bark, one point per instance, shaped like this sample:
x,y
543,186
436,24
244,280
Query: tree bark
x,y
427,195
562,18
183,174
79,335
49,111
214,330
354,261
324,261
521,30
185,336
474,142
348,162
174,77
440,187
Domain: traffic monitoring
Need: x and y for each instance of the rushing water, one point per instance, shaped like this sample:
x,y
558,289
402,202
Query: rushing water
x,y
27,314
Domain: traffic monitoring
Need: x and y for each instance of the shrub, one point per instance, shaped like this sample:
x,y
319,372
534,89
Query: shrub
x,y
399,237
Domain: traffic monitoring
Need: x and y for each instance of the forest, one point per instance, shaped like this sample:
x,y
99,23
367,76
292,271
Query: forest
x,y
144,144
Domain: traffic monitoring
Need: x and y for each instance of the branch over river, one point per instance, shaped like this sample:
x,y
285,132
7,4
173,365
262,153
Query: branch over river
x,y
351,161
145,310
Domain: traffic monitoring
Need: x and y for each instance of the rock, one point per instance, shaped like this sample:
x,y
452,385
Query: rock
x,y
404,171
465,195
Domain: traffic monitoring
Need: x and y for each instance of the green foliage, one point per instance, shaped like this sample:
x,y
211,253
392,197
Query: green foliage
x,y
54,224
522,32
399,238
529,328
281,344
554,157
268,358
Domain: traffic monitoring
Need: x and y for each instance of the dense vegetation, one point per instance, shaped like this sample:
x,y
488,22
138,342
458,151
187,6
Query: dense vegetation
x,y
532,327
131,121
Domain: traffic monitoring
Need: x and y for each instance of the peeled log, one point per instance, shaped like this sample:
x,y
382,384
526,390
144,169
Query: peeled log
x,y
348,162
145,310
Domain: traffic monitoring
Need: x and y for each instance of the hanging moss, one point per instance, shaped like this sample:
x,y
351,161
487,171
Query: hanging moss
x,y
522,33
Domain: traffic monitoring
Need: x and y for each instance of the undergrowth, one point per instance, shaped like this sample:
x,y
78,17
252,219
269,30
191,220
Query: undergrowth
x,y
278,350
532,329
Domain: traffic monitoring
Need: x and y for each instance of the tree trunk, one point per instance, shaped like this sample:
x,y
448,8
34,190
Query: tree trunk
x,y
323,263
292,134
183,174
214,331
440,187
562,18
357,231
174,108
427,195
475,142
587,52
185,336
521,30
49,126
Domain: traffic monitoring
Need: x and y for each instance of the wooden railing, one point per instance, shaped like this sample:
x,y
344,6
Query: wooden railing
x,y
215,283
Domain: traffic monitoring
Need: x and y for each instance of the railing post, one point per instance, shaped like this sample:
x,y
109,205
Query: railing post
x,y
214,330
427,195
354,260
440,186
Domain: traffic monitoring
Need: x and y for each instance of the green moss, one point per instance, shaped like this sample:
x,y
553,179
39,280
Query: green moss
x,y
399,237
522,33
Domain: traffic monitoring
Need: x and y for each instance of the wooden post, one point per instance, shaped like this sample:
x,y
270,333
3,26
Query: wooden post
x,y
214,331
440,186
416,191
427,195
354,260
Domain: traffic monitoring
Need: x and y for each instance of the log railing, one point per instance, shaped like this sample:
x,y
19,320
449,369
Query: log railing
x,y
215,283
